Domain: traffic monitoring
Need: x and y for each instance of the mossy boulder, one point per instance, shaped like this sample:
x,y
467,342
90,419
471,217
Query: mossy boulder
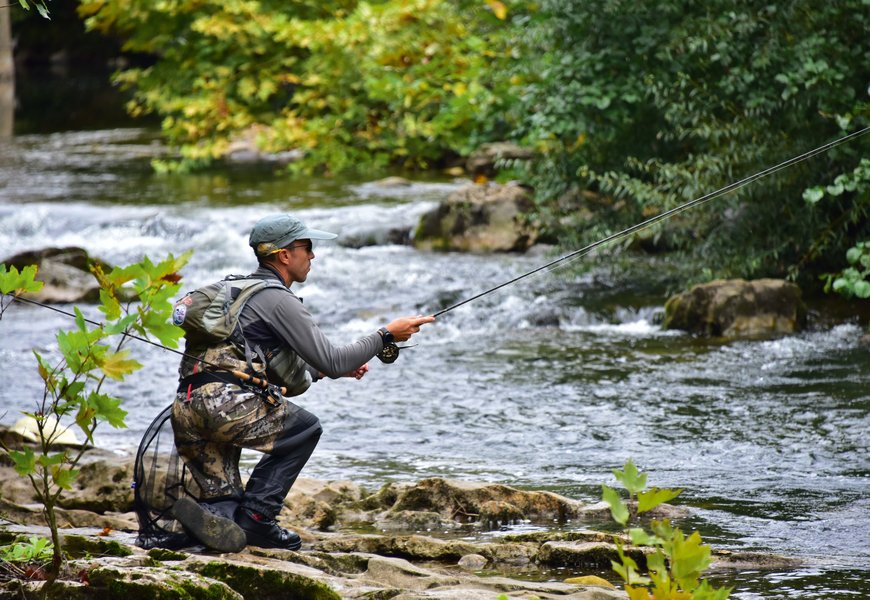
x,y
102,486
587,555
150,583
77,546
262,584
736,308
479,218
467,501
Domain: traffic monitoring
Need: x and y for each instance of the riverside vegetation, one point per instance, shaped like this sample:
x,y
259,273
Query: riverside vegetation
x,y
678,561
628,109
73,385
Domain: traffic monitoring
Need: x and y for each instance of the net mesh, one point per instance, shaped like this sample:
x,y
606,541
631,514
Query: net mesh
x,y
159,479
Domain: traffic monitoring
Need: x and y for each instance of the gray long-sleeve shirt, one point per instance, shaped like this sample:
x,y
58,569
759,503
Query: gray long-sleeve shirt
x,y
276,317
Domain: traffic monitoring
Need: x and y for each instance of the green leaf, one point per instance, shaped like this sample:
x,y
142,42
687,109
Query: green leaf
x,y
656,562
72,391
108,409
640,537
41,547
840,285
814,194
657,567
75,349
834,190
64,478
161,328
84,419
620,569
705,591
51,460
121,325
689,558
118,365
45,370
25,461
654,497
617,507
628,567
80,320
41,8
862,289
36,549
663,529
15,282
109,304
631,478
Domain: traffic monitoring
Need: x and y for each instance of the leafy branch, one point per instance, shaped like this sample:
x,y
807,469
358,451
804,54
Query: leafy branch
x,y
675,566
40,6
90,354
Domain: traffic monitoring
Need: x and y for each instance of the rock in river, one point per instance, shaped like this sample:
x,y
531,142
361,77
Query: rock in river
x,y
738,308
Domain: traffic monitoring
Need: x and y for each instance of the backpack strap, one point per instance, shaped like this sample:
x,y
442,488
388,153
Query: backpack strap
x,y
262,284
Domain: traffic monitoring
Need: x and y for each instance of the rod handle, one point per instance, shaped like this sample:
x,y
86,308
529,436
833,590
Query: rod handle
x,y
260,383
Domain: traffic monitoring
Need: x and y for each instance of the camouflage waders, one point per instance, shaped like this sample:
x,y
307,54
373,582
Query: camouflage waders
x,y
212,424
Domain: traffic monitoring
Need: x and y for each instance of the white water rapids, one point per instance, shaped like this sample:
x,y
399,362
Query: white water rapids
x,y
547,384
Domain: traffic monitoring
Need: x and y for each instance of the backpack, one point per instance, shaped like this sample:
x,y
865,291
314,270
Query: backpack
x,y
210,315
210,318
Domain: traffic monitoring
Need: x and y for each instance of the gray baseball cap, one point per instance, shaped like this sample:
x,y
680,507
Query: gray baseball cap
x,y
279,231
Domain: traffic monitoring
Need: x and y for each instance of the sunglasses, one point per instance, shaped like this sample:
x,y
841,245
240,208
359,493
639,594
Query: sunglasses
x,y
308,245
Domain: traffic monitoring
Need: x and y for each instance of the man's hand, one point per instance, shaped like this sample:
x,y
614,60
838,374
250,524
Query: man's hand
x,y
403,328
358,373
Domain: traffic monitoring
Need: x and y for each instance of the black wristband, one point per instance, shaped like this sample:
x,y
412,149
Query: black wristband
x,y
386,336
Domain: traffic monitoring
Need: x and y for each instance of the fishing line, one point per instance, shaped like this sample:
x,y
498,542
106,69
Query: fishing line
x,y
570,256
100,325
665,215
260,383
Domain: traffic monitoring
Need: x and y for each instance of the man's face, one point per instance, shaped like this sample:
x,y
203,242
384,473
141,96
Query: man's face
x,y
297,260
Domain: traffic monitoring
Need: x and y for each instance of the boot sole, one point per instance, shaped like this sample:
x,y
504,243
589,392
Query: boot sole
x,y
262,541
214,532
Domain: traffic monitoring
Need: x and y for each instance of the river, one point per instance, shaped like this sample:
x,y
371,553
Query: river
x,y
548,384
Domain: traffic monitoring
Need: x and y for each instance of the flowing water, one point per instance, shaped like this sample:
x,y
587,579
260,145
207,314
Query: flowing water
x,y
548,384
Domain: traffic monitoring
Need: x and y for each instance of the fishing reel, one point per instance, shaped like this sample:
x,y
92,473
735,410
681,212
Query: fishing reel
x,y
390,353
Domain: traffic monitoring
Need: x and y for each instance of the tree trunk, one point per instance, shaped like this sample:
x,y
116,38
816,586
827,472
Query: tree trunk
x,y
7,74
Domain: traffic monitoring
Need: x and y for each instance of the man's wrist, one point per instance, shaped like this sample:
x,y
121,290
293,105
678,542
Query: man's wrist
x,y
386,336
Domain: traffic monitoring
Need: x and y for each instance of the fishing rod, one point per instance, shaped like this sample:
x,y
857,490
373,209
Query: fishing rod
x,y
661,217
260,383
392,353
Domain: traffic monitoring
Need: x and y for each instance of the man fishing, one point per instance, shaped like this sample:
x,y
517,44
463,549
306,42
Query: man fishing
x,y
216,414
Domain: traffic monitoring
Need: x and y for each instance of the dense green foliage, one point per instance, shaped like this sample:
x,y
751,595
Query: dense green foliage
x,y
632,107
352,84
655,103
676,561
89,355
854,280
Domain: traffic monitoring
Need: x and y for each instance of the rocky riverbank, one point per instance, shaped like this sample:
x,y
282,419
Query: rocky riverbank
x,y
435,538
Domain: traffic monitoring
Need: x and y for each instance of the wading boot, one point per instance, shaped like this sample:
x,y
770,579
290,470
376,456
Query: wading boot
x,y
264,532
211,530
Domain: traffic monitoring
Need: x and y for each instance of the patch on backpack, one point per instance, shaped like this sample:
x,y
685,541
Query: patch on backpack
x,y
180,311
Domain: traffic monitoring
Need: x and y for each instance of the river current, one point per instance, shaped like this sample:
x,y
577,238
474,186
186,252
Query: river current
x,y
547,384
